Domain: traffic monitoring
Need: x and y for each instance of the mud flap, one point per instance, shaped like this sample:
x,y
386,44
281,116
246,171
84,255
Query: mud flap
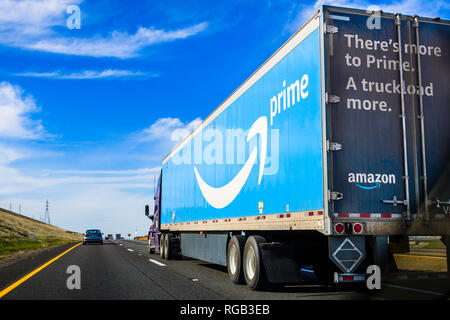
x,y
347,253
280,263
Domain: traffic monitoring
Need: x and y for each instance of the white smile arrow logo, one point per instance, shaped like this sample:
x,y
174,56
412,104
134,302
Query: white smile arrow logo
x,y
223,196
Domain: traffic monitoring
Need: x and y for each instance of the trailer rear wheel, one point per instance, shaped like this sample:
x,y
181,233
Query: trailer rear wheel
x,y
161,245
254,272
167,247
234,259
150,249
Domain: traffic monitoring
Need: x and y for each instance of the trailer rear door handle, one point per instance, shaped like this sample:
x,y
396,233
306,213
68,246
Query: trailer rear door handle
x,y
394,201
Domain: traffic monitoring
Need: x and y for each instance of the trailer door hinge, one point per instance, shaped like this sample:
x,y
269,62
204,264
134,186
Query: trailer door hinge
x,y
330,98
333,146
334,195
330,29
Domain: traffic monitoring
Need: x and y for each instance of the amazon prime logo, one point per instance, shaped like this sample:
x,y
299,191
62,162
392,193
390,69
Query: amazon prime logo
x,y
371,181
258,147
243,150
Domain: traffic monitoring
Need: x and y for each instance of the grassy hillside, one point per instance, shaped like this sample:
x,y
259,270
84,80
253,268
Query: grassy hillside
x,y
142,238
19,233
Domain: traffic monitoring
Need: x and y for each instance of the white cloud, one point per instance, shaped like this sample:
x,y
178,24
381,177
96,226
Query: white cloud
x,y
168,128
16,181
15,111
47,179
32,17
110,209
116,44
30,24
86,74
112,200
301,13
8,155
106,172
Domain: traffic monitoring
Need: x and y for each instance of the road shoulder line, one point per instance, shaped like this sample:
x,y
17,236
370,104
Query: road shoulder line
x,y
32,273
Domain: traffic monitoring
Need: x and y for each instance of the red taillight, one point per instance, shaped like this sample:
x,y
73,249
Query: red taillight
x,y
339,227
357,228
348,278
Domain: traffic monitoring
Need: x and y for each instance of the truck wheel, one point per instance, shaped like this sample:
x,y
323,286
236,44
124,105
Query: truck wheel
x,y
167,248
175,247
254,272
234,259
161,245
149,248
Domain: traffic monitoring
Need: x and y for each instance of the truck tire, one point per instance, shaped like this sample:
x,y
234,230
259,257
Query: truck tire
x,y
167,247
254,272
234,259
175,247
149,248
161,245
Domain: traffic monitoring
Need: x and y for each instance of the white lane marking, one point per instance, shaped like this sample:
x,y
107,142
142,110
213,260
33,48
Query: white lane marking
x,y
417,290
130,250
120,244
157,262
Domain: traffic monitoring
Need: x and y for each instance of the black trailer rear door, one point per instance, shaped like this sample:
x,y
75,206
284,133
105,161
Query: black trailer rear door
x,y
388,113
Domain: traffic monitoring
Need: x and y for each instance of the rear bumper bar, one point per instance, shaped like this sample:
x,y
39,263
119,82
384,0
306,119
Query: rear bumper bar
x,y
349,277
394,225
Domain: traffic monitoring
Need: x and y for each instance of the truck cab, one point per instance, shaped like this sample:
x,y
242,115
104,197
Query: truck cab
x,y
154,231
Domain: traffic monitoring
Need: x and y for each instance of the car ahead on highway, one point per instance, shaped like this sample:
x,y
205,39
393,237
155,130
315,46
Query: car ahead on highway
x,y
92,235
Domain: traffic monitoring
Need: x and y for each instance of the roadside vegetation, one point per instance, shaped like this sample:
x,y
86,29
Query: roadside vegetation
x,y
427,244
19,233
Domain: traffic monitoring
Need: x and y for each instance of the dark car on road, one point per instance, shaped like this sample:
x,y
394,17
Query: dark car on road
x,y
93,236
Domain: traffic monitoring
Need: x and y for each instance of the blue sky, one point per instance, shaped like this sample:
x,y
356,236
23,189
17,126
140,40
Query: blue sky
x,y
86,114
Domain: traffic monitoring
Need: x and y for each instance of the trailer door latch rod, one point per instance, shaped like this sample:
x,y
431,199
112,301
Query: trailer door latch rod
x,y
394,201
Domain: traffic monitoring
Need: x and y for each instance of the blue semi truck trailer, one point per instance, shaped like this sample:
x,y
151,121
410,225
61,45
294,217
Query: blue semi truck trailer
x,y
330,155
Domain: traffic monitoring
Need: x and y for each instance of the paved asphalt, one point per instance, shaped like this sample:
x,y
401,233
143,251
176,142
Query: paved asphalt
x,y
123,270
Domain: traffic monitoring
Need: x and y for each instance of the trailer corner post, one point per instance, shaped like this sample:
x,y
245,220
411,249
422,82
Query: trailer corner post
x,y
398,23
422,122
324,102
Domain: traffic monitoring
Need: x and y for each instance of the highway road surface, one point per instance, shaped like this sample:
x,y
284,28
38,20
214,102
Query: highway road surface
x,y
124,270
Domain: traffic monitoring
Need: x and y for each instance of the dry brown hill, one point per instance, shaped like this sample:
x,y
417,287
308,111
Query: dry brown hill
x,y
18,232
